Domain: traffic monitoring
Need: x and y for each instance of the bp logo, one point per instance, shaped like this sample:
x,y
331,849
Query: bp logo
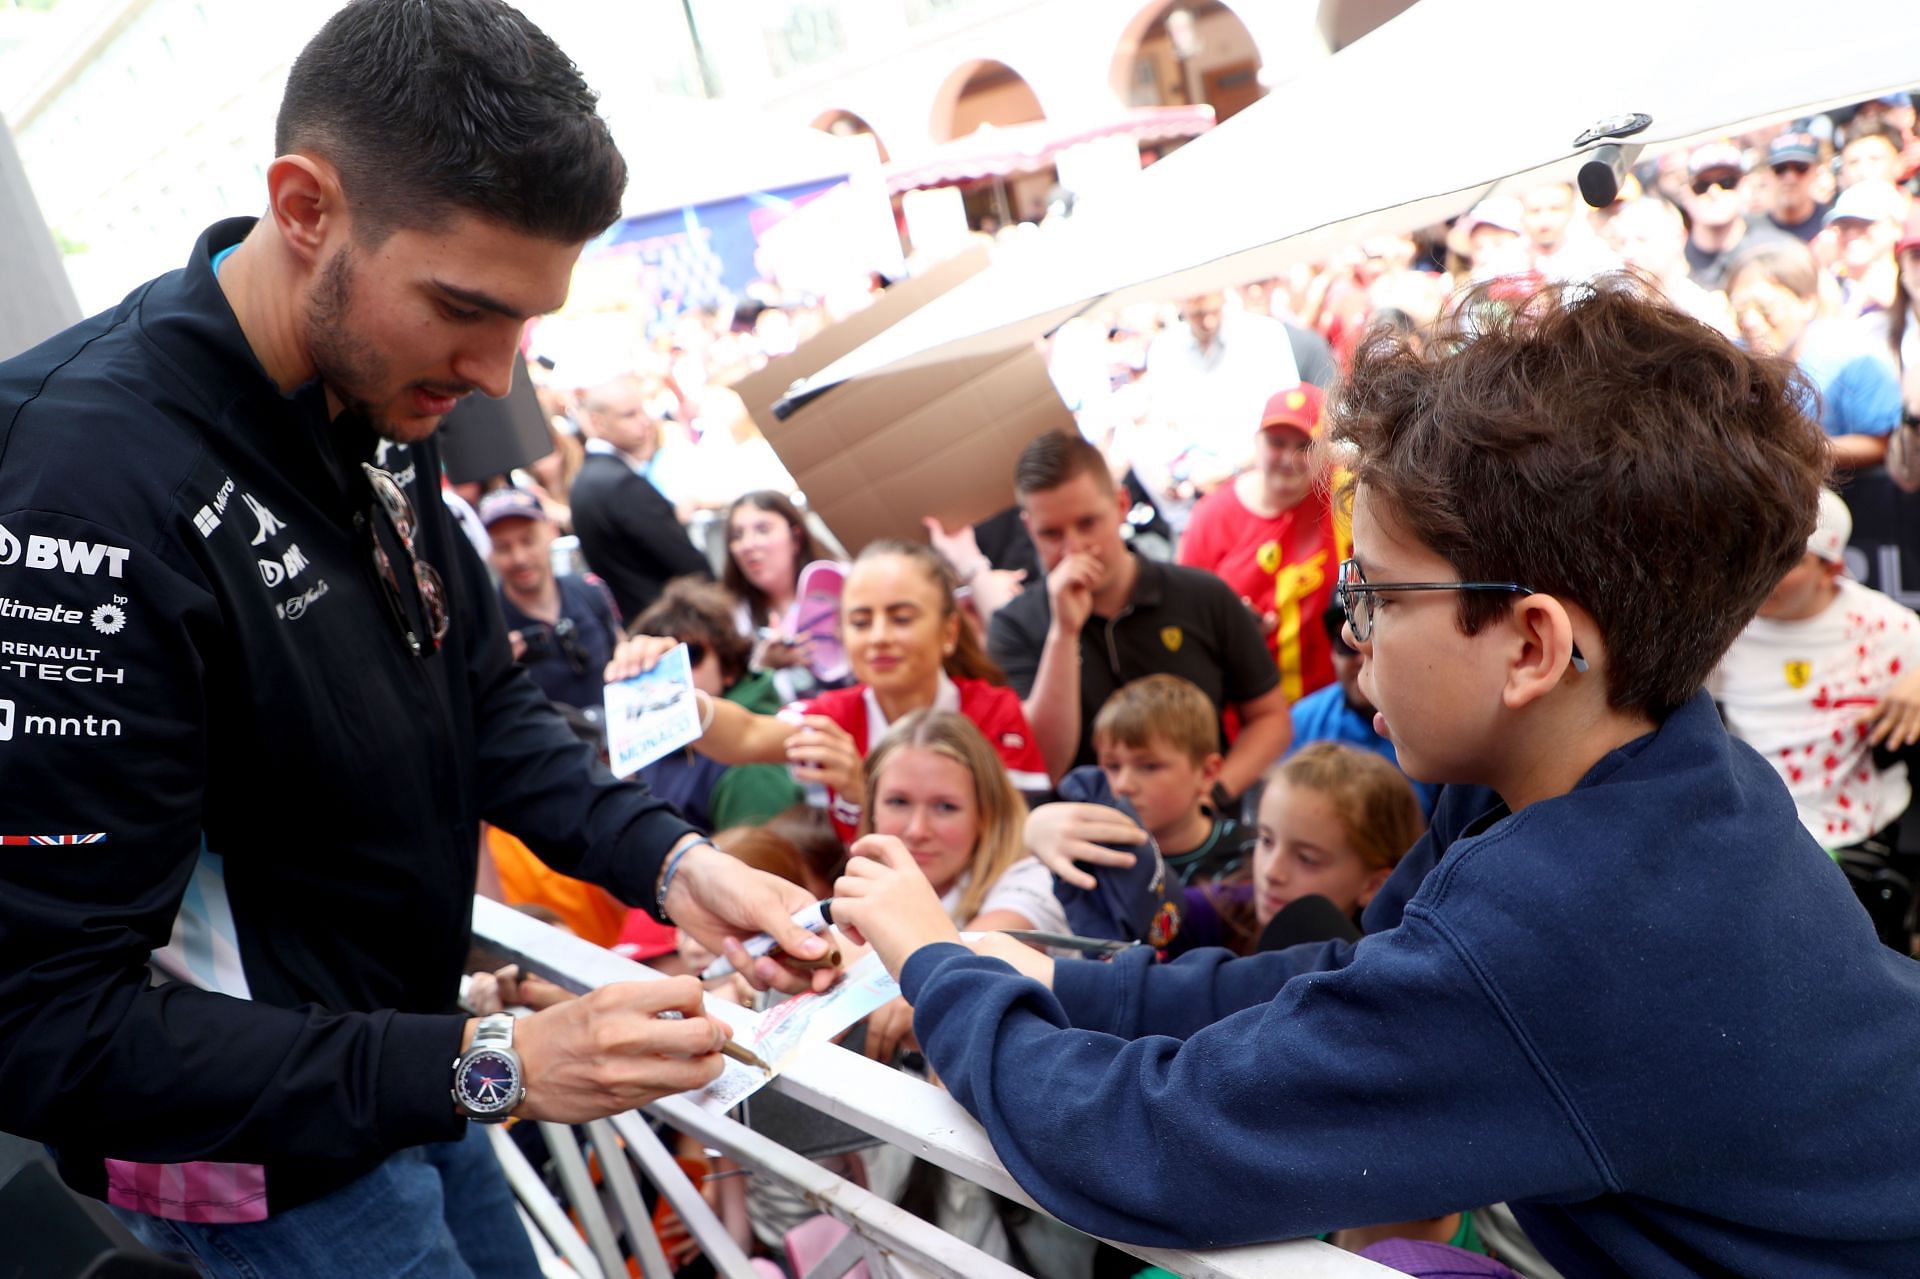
x,y
108,619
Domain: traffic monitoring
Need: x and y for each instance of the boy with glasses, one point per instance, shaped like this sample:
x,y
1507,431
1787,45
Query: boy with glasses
x,y
1616,986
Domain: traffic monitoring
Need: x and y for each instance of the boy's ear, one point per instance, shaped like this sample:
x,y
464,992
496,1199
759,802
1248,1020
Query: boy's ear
x,y
1543,631
1210,768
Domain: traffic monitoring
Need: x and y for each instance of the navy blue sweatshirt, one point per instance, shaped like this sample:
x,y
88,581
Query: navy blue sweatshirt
x,y
1649,1014
212,735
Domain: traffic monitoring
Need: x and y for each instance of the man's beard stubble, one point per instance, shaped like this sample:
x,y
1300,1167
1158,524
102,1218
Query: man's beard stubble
x,y
347,363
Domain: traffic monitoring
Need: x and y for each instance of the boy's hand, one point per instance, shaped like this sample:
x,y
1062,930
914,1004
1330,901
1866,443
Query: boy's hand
x,y
1061,834
884,900
1896,720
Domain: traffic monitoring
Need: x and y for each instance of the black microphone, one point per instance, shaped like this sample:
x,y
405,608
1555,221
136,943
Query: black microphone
x,y
1307,919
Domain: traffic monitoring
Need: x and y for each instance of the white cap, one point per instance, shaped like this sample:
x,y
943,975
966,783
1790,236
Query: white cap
x,y
1502,211
1832,530
1868,202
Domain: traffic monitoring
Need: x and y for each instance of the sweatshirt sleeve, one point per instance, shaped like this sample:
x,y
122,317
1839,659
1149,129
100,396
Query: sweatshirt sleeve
x,y
103,750
543,784
1390,1090
1131,995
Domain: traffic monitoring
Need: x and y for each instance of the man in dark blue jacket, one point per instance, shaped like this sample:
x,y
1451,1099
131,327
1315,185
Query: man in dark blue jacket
x,y
256,696
1617,985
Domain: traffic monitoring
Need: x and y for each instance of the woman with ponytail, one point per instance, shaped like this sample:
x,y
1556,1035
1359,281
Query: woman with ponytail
x,y
910,650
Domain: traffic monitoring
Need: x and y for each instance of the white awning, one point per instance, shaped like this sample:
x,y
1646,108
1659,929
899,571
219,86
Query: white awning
x,y
1407,126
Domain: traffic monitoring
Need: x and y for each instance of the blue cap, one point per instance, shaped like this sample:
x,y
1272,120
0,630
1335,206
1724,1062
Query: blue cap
x,y
509,504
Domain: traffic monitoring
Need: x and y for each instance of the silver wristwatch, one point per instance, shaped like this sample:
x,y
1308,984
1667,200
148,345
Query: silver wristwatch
x,y
487,1083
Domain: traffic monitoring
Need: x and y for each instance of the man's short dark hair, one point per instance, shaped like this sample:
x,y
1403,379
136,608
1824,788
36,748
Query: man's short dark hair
x,y
1053,459
1595,443
428,108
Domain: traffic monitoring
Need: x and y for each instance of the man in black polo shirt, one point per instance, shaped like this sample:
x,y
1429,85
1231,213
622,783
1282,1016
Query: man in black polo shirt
x,y
1109,616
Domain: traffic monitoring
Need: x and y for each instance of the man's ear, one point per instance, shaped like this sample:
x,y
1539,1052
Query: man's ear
x,y
1543,649
306,203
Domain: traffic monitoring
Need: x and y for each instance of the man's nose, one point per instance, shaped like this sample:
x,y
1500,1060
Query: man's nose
x,y
488,362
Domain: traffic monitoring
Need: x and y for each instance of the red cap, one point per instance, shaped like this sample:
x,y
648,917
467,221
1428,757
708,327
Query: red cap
x,y
1298,407
1909,234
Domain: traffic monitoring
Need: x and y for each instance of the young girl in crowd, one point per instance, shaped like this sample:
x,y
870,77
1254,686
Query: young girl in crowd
x,y
938,786
909,651
1333,822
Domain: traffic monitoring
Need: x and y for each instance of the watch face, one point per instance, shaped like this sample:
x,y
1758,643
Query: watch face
x,y
488,1082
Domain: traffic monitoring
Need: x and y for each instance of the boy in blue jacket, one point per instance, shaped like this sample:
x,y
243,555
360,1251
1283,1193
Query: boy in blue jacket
x,y
1616,985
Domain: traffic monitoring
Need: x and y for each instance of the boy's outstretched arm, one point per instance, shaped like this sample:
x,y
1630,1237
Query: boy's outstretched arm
x,y
1133,996
1390,1090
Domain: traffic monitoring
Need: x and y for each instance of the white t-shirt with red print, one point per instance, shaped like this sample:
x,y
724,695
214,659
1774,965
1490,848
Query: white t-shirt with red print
x,y
1797,693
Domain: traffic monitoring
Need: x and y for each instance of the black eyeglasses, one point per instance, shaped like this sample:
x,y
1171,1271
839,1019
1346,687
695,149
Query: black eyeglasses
x,y
1726,182
391,501
1357,598
1796,167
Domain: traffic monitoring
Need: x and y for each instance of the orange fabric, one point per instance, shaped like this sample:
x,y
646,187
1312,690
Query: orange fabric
x,y
590,911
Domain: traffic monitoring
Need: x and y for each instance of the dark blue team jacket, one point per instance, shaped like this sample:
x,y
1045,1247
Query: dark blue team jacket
x,y
207,713
1650,1014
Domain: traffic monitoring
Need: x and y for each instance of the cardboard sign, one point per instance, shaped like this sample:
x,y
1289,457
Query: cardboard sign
x,y
877,455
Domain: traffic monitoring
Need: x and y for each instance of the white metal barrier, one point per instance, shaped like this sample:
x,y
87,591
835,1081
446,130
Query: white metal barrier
x,y
883,1102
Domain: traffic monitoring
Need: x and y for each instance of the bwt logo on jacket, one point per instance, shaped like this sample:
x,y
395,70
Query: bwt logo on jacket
x,y
60,555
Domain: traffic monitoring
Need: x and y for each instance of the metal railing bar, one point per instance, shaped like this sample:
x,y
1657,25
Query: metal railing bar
x,y
646,1148
885,1103
564,1149
637,1223
842,1257
890,1226
546,1213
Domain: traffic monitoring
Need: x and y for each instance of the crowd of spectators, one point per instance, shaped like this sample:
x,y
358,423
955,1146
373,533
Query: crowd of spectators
x,y
1141,722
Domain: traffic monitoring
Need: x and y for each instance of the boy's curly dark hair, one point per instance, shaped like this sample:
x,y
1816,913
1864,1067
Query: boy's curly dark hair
x,y
1595,443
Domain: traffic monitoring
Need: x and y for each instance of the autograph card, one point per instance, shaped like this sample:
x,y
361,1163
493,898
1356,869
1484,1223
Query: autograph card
x,y
651,714
784,1031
